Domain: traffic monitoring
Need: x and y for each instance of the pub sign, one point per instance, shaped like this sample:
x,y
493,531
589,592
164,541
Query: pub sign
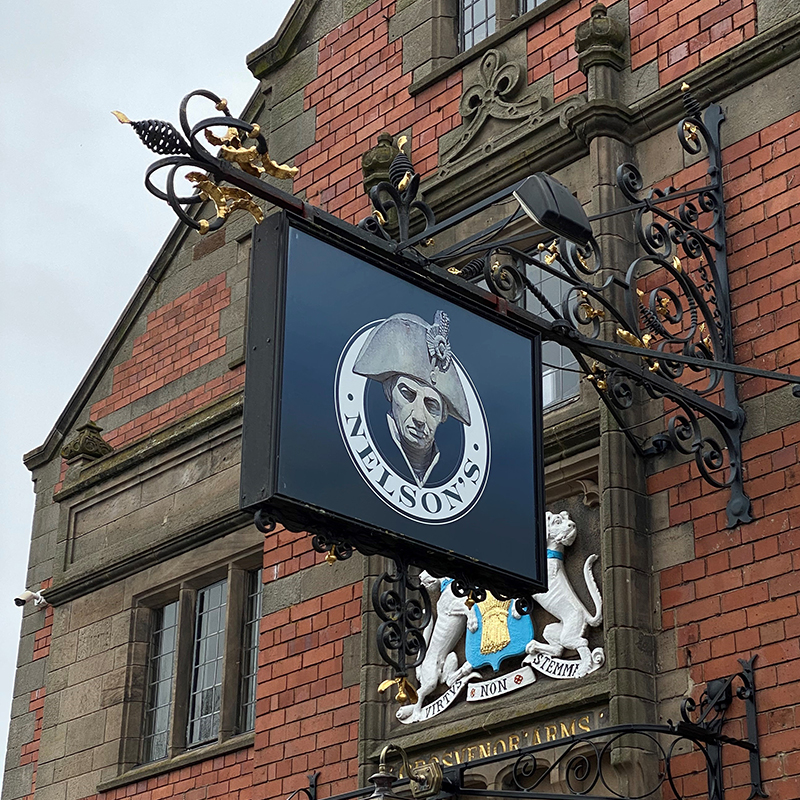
x,y
385,408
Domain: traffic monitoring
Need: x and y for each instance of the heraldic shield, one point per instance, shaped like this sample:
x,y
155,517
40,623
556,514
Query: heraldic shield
x,y
500,634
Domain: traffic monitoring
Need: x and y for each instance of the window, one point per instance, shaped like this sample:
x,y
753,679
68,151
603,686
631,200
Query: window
x,y
478,20
201,665
481,18
560,375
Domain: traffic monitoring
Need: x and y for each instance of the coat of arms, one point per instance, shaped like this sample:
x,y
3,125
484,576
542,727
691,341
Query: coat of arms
x,y
493,632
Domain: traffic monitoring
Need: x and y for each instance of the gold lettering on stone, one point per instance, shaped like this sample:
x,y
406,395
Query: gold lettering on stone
x,y
509,742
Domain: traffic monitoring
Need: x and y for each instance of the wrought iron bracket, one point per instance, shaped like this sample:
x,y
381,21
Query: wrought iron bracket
x,y
659,327
236,164
672,337
403,605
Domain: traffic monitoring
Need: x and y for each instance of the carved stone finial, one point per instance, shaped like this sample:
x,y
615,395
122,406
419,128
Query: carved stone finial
x,y
375,163
87,444
599,41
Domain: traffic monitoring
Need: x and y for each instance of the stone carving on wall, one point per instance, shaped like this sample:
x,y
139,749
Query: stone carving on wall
x,y
87,444
492,632
498,95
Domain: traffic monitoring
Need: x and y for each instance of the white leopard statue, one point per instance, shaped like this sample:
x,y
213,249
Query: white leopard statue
x,y
440,664
563,603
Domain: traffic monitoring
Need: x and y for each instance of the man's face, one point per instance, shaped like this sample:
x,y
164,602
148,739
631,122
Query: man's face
x,y
417,409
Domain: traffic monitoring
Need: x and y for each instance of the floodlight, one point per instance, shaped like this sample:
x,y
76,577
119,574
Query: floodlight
x,y
551,205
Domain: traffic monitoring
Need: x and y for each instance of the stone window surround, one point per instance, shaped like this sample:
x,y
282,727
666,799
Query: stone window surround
x,y
236,570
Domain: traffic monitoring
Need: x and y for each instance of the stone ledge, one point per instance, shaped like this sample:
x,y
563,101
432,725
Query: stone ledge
x,y
183,760
129,565
591,692
138,452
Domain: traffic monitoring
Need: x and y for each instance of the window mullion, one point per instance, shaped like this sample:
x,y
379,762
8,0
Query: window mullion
x,y
182,683
231,667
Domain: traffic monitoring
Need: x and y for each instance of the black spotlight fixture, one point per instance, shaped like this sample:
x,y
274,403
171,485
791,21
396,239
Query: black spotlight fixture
x,y
551,205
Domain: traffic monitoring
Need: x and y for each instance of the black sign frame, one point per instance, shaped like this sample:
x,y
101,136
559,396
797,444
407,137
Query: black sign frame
x,y
265,346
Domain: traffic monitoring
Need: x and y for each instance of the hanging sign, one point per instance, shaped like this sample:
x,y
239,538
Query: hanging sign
x,y
385,408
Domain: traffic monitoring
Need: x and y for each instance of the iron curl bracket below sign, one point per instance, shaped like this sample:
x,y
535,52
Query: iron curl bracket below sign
x,y
587,765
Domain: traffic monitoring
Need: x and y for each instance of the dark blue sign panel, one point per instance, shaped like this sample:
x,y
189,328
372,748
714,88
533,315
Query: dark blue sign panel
x,y
378,408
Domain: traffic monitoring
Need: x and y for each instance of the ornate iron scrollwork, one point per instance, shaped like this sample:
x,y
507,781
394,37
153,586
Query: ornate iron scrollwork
x,y
396,198
582,765
404,607
236,164
673,337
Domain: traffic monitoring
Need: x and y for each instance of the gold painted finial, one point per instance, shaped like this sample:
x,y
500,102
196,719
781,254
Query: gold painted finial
x,y
121,117
330,557
685,87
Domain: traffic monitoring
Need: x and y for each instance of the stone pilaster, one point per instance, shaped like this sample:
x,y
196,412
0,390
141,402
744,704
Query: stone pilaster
x,y
603,124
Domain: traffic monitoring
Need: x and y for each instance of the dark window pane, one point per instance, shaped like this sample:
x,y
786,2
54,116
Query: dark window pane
x,y
559,370
477,21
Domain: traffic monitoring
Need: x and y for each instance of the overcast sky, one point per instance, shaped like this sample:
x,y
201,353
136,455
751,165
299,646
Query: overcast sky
x,y
78,229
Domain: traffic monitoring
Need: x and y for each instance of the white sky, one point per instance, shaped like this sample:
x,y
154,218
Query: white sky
x,y
78,229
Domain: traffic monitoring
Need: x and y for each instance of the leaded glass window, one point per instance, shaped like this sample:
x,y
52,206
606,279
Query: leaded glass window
x,y
161,669
209,652
560,374
247,702
478,19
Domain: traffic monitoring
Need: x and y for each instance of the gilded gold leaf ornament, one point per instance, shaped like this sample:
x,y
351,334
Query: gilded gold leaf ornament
x,y
226,199
629,338
494,631
406,693
691,131
248,158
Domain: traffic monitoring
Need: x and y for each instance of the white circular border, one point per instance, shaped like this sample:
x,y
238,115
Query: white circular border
x,y
348,383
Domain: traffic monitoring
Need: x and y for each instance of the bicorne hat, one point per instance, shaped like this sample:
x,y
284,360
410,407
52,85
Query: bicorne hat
x,y
404,344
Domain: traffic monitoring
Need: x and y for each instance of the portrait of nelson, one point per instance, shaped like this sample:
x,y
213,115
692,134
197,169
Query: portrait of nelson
x,y
414,362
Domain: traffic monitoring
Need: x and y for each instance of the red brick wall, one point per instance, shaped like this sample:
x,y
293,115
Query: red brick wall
x,y
739,595
229,776
180,337
683,34
359,92
30,752
551,48
306,719
176,408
